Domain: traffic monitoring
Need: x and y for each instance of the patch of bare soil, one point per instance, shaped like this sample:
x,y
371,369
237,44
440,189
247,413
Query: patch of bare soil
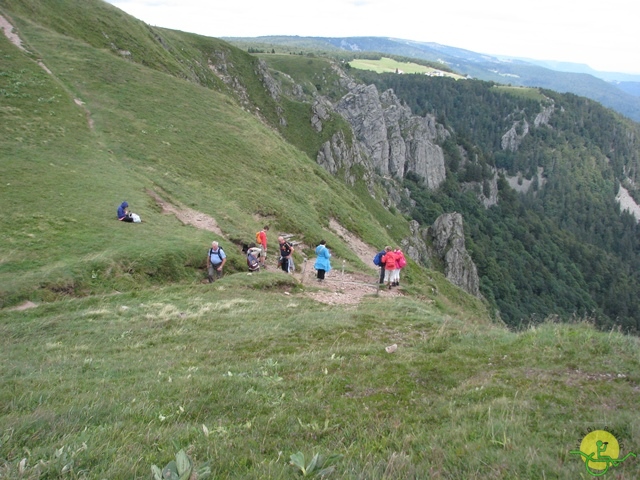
x,y
24,306
365,252
80,103
342,288
8,31
187,215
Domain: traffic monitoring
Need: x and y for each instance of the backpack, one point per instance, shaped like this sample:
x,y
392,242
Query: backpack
x,y
377,260
218,253
258,242
285,249
252,262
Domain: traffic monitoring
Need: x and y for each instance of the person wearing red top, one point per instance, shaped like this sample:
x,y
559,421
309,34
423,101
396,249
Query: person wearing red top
x,y
261,240
389,261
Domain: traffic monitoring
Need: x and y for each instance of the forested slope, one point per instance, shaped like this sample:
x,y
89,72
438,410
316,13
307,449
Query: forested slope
x,y
563,247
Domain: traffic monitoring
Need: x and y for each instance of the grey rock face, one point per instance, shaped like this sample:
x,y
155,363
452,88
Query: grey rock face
x,y
513,138
321,109
339,155
363,110
415,246
485,191
447,236
520,129
272,86
394,140
544,116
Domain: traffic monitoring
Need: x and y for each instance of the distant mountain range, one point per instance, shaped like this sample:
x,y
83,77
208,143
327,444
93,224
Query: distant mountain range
x,y
618,91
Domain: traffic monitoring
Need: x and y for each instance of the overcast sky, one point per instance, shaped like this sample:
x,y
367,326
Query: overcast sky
x,y
604,35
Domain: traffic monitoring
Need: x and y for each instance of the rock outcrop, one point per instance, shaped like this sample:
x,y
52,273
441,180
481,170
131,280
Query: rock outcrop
x,y
485,191
338,156
392,139
415,246
514,137
321,109
520,128
545,115
447,241
443,244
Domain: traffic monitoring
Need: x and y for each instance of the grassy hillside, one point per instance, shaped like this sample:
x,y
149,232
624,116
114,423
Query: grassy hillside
x,y
101,129
127,357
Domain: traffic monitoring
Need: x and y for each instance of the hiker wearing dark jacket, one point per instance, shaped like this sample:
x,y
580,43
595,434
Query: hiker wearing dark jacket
x,y
286,250
123,213
379,255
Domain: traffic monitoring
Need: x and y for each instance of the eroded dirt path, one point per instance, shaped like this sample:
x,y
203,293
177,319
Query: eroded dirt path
x,y
8,31
187,215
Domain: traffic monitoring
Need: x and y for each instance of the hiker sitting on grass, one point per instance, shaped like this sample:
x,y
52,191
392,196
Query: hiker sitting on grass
x,y
123,213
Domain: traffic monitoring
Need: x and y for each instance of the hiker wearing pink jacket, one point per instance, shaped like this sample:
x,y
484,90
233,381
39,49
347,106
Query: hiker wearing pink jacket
x,y
400,264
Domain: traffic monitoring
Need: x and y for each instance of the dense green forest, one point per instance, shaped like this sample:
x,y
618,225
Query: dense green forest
x,y
562,248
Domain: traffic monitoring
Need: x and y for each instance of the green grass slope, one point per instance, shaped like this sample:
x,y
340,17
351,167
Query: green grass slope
x,y
100,129
243,375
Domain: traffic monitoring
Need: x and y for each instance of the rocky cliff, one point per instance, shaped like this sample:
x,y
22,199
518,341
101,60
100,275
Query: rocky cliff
x,y
395,141
512,139
443,244
388,139
447,240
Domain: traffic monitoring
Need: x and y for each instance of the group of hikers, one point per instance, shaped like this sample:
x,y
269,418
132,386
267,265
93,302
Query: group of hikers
x,y
256,253
389,260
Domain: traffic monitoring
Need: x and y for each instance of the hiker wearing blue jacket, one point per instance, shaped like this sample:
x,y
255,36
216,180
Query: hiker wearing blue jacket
x,y
123,213
322,265
377,260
